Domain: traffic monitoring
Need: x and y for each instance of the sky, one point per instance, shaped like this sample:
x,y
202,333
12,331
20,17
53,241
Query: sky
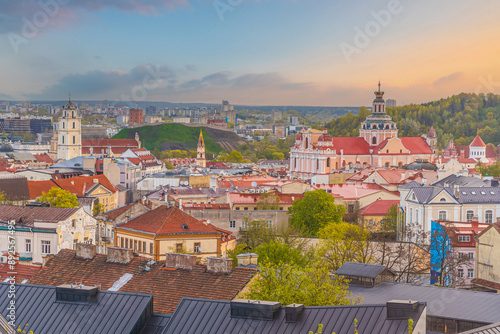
x,y
250,52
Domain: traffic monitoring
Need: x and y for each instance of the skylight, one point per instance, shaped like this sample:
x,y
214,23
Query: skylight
x,y
473,192
185,227
483,193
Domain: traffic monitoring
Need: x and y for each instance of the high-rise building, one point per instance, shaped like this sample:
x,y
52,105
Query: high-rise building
x,y
69,138
277,115
40,125
391,103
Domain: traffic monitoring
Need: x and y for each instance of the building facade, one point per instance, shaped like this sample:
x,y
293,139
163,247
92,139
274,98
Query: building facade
x,y
378,144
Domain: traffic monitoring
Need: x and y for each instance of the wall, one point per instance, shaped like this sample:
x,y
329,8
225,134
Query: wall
x,y
488,256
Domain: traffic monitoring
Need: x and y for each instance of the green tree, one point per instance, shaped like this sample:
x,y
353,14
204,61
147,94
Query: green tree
x,y
276,252
98,209
58,198
343,242
169,165
233,253
278,156
257,232
268,201
315,211
235,156
288,284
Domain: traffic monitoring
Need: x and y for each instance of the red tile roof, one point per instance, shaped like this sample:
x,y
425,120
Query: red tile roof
x,y
489,284
416,145
217,165
351,145
23,271
167,285
378,208
37,187
100,146
44,158
477,142
115,213
79,185
165,220
490,151
27,215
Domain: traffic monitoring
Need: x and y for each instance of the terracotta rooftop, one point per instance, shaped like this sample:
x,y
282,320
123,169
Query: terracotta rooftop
x,y
167,285
79,185
165,220
115,213
24,272
43,158
477,142
378,208
27,215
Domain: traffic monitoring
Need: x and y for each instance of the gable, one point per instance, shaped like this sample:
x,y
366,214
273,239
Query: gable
x,y
443,197
393,146
98,190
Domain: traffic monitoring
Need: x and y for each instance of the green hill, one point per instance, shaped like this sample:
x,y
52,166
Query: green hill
x,y
458,117
174,136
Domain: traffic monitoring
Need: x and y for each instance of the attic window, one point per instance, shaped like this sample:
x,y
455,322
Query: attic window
x,y
483,193
442,199
473,192
185,227
492,192
464,193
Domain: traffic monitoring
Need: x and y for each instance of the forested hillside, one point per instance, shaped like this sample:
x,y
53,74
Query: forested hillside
x,y
458,117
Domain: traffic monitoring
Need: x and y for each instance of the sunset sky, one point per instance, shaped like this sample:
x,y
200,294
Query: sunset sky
x,y
257,52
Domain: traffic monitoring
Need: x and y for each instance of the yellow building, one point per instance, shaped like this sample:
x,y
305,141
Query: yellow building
x,y
372,215
488,259
168,229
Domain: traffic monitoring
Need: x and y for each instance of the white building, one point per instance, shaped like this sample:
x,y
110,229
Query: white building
x,y
69,143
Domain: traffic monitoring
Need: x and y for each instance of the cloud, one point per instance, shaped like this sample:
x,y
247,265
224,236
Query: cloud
x,y
57,13
446,80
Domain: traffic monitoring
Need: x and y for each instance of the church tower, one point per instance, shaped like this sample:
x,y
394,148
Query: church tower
x,y
69,141
378,126
201,161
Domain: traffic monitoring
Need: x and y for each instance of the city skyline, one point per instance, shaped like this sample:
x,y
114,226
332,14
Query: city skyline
x,y
250,52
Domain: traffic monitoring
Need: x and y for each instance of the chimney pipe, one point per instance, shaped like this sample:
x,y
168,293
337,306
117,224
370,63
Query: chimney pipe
x,y
219,265
119,255
401,309
293,312
182,261
85,251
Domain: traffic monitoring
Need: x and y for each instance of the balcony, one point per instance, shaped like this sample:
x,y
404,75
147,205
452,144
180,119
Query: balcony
x,y
106,239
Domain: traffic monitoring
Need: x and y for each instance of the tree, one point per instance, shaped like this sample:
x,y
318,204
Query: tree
x,y
278,156
315,211
268,201
98,209
343,242
235,156
276,252
169,165
58,198
288,284
257,232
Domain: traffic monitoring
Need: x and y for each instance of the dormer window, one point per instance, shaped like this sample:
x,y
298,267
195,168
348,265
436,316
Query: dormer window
x,y
442,199
464,238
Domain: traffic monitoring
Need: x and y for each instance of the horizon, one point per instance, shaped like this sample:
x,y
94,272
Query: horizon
x,y
251,53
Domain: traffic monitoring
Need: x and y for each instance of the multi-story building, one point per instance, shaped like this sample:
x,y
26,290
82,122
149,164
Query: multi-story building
x,y
378,144
488,259
144,158
41,231
391,103
135,116
40,125
69,138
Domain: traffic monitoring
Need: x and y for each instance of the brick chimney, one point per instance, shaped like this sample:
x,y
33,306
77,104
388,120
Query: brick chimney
x,y
119,255
183,261
219,265
247,258
475,222
85,251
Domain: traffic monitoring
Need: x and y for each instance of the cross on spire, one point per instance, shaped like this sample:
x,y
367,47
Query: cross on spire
x,y
379,85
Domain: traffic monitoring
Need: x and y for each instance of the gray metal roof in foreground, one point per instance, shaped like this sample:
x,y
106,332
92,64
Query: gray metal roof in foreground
x,y
441,302
360,270
112,312
490,329
204,316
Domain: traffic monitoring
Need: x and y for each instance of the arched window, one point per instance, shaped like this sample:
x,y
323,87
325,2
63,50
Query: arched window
x,y
371,222
63,138
63,124
442,199
374,140
74,140
307,142
386,164
328,162
416,216
470,215
74,125
411,215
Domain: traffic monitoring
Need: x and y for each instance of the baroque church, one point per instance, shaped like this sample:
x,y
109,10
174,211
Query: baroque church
x,y
378,144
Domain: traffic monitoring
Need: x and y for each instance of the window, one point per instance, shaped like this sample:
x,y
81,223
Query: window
x,y
246,208
178,248
126,243
74,126
63,138
386,164
488,217
350,208
470,273
232,224
243,224
411,215
416,216
140,248
471,256
122,242
74,140
442,215
196,247
135,245
370,222
28,245
464,238
460,273
151,248
442,199
269,224
45,247
470,215
237,208
144,246
374,141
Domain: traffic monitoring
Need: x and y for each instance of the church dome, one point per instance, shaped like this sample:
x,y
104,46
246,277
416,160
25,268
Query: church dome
x,y
421,165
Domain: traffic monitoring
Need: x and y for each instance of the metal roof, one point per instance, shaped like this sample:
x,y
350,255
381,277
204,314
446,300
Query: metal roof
x,y
111,312
156,323
449,303
464,181
361,270
213,317
490,329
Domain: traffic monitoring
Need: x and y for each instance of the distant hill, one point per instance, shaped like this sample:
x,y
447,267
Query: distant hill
x,y
175,136
459,117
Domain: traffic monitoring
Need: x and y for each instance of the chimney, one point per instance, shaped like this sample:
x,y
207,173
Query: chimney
x,y
69,293
457,190
119,255
462,153
424,181
85,251
475,222
247,258
401,309
293,312
254,309
219,265
494,183
183,261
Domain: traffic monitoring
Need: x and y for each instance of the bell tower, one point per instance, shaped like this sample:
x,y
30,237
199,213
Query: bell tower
x,y
378,126
200,157
69,139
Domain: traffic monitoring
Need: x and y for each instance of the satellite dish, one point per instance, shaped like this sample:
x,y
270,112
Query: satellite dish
x,y
254,184
201,249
